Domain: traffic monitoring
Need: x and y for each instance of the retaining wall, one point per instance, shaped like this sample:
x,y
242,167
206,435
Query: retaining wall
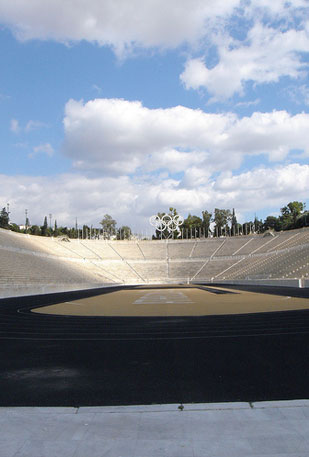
x,y
266,282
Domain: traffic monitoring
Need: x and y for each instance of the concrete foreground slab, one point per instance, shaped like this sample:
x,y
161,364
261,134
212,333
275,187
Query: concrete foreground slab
x,y
268,429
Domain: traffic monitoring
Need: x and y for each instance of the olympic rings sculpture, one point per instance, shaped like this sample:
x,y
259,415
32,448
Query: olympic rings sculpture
x,y
167,222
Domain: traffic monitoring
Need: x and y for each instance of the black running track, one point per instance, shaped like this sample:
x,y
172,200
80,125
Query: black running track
x,y
50,360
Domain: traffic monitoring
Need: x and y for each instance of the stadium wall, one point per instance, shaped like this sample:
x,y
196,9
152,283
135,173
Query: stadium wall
x,y
266,282
25,290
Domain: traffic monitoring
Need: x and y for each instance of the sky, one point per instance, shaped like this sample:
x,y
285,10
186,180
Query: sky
x,y
128,108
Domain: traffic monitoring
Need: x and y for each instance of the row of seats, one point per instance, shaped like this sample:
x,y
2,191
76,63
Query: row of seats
x,y
25,268
156,250
25,258
281,264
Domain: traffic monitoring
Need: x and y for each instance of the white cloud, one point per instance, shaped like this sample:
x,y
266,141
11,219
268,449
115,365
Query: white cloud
x,y
249,103
271,50
117,23
45,148
116,136
33,125
277,34
274,133
276,9
265,187
14,126
67,196
298,94
122,24
267,55
119,136
131,201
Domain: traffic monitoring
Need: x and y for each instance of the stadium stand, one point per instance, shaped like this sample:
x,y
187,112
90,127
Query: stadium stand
x,y
214,268
183,270
154,251
179,250
127,250
32,264
29,262
50,246
280,264
252,244
31,273
120,270
102,249
231,246
151,271
207,248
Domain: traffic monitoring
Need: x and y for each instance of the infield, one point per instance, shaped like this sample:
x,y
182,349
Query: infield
x,y
191,301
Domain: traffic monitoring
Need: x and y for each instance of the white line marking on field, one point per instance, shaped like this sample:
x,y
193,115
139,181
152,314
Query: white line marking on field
x,y
157,297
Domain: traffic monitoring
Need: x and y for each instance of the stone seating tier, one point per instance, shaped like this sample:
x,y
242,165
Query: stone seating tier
x,y
32,259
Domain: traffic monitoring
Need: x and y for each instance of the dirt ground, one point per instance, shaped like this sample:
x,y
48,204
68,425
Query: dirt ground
x,y
193,301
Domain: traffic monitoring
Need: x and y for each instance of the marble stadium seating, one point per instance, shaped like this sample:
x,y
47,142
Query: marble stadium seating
x,y
31,262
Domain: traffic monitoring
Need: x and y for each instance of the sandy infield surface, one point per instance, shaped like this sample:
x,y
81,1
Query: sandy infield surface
x,y
193,301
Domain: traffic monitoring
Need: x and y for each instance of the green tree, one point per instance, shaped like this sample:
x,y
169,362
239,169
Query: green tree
x,y
44,227
273,223
14,227
124,233
35,230
258,225
290,214
233,224
108,226
303,220
192,226
27,224
239,229
63,231
56,231
71,232
248,227
4,218
85,231
221,218
207,218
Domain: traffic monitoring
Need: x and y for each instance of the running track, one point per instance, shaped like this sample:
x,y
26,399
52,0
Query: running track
x,y
78,361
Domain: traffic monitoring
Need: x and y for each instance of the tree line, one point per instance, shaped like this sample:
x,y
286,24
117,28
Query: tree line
x,y
108,229
223,222
220,222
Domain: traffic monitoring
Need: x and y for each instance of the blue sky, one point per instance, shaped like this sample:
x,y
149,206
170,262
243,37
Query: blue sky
x,y
128,108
